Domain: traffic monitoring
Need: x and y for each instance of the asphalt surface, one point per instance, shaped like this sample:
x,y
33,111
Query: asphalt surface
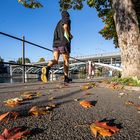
x,y
69,120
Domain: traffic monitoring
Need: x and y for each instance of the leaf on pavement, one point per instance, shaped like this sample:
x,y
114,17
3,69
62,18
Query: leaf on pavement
x,y
13,134
88,86
52,98
103,129
28,95
39,94
13,102
9,115
86,104
115,85
133,104
35,110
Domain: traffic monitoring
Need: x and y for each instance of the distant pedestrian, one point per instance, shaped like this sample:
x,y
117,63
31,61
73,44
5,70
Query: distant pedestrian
x,y
61,45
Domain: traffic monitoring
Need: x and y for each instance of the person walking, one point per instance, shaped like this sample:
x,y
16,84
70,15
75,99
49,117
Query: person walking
x,y
61,45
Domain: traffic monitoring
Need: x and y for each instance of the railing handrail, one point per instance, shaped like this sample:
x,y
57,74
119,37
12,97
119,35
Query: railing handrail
x,y
34,44
20,64
26,41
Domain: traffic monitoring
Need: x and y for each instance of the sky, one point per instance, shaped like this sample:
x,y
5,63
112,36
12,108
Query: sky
x,y
37,25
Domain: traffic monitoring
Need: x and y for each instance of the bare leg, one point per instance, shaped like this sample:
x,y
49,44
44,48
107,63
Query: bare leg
x,y
55,60
66,63
45,70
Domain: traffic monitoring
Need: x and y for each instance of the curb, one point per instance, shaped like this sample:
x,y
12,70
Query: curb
x,y
132,88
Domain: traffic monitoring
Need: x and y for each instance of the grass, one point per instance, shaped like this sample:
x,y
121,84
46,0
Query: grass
x,y
134,81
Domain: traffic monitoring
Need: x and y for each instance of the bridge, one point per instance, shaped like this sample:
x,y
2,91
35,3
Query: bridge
x,y
110,60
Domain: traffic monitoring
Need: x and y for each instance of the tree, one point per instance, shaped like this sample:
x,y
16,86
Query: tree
x,y
27,60
122,24
41,60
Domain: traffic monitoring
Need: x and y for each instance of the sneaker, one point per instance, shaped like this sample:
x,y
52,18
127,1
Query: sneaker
x,y
45,74
67,79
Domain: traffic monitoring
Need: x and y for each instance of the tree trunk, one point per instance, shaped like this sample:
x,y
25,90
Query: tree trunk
x,y
128,36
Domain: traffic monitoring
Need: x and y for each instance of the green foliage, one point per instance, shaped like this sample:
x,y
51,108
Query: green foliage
x,y
105,12
41,60
68,4
103,7
30,3
27,60
127,81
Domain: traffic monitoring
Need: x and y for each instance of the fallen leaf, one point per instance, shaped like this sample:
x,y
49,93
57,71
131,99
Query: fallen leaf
x,y
122,94
9,115
39,94
52,98
88,93
13,102
86,104
115,85
35,110
133,104
13,134
103,129
88,86
28,95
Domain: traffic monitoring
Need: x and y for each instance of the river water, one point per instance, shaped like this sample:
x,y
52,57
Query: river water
x,y
20,79
16,80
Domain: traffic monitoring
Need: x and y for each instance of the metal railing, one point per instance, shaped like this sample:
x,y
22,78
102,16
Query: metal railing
x,y
23,53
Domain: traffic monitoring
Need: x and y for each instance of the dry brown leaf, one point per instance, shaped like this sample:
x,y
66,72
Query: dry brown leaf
x,y
104,125
52,98
39,94
28,95
13,134
9,115
116,86
86,104
35,110
103,129
133,104
88,86
3,116
12,103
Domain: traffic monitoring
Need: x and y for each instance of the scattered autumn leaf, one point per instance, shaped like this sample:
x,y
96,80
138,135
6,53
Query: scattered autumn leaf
x,y
88,86
103,129
35,110
39,94
9,115
88,93
13,134
28,95
115,85
52,98
13,102
86,104
133,104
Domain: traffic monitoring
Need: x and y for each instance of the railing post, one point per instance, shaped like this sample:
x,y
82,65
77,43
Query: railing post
x,y
23,58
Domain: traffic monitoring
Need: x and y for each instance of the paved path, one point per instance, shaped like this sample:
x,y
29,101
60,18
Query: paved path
x,y
69,113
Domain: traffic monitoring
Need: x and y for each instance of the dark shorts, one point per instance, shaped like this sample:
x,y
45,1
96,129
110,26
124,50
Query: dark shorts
x,y
62,49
